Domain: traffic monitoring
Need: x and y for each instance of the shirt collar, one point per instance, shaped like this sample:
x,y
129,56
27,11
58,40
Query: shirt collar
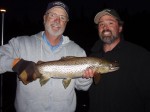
x,y
49,44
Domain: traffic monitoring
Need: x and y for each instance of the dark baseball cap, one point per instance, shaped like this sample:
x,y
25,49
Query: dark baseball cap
x,y
58,4
110,12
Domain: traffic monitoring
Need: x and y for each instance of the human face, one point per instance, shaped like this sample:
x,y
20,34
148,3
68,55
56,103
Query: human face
x,y
55,21
109,29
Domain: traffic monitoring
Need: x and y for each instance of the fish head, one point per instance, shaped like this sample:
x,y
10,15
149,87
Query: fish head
x,y
107,66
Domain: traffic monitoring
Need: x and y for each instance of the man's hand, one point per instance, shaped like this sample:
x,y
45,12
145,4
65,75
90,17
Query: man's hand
x,y
26,70
89,73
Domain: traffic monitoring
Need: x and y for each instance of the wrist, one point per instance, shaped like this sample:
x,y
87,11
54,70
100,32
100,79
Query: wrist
x,y
15,61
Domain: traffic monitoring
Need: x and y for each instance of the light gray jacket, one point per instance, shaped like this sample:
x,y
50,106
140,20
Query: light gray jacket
x,y
52,97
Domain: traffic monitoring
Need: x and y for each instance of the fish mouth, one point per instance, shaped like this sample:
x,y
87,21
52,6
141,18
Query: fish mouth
x,y
114,68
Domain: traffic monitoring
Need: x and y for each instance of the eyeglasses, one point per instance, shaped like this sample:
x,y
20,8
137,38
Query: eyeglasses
x,y
54,16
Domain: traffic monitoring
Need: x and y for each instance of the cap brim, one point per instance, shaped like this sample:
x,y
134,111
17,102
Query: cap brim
x,y
99,15
61,8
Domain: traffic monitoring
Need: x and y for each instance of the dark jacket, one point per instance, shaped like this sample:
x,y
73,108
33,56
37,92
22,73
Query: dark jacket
x,y
125,90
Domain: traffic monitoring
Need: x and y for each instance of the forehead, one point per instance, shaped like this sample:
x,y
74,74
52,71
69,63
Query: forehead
x,y
58,10
107,18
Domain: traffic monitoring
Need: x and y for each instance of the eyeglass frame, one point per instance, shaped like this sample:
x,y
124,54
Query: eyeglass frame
x,y
54,16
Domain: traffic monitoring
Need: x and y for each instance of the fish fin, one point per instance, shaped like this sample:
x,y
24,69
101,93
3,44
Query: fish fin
x,y
44,80
66,82
96,78
67,57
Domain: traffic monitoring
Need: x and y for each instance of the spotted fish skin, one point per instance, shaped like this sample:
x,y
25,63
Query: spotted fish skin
x,y
71,67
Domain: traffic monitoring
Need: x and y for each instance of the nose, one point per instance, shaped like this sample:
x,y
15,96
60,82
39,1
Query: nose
x,y
57,19
106,26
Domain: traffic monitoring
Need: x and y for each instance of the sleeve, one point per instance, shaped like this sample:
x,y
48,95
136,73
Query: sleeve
x,y
8,53
80,83
83,84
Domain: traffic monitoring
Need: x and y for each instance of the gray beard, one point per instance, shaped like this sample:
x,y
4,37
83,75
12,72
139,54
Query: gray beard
x,y
108,40
50,31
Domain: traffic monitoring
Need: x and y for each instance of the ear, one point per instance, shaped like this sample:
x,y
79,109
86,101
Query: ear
x,y
44,17
120,28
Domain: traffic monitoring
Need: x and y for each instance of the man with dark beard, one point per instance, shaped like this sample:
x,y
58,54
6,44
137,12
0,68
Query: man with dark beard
x,y
125,90
21,54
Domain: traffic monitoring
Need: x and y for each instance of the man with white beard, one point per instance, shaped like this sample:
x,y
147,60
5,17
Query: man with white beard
x,y
22,53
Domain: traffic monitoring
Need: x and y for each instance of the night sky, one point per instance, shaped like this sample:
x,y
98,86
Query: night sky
x,y
25,17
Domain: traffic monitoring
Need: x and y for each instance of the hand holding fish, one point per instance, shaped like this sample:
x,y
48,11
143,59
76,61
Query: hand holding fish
x,y
26,70
88,73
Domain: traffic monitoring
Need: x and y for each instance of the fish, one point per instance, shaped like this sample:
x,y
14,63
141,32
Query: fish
x,y
71,67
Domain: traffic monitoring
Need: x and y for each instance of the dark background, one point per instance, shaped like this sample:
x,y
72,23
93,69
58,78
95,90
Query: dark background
x,y
25,17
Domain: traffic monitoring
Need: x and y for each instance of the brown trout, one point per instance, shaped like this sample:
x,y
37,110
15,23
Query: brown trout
x,y
71,67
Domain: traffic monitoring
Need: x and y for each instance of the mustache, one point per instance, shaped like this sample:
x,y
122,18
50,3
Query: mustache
x,y
56,24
